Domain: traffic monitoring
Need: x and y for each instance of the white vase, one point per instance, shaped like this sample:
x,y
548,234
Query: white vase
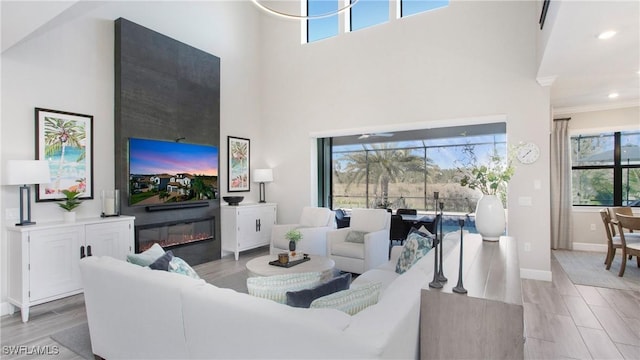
x,y
69,216
490,217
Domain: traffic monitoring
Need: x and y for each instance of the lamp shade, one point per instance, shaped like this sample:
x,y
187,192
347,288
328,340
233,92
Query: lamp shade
x,y
263,175
23,172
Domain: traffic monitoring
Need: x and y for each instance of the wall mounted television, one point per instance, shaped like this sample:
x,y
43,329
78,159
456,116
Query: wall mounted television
x,y
171,172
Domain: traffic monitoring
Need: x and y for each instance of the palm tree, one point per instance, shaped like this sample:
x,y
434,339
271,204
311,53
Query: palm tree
x,y
58,134
201,189
239,153
381,166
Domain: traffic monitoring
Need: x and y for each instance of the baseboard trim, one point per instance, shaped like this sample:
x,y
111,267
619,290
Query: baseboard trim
x,y
533,274
589,247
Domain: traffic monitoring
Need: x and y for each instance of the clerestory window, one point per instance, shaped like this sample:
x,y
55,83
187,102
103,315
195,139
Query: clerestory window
x,y
411,7
364,14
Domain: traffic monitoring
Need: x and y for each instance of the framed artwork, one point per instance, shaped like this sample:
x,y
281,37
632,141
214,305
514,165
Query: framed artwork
x,y
65,140
238,170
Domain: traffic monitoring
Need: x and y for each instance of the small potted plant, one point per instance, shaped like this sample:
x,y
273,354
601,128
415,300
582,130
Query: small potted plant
x,y
293,236
70,202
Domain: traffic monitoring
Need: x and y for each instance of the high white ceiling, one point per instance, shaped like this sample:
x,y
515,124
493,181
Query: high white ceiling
x,y
585,70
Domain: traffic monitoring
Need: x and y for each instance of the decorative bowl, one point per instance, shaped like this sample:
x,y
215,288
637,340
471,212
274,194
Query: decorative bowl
x,y
233,200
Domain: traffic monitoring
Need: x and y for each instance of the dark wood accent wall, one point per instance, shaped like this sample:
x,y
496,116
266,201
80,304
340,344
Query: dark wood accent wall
x,y
165,90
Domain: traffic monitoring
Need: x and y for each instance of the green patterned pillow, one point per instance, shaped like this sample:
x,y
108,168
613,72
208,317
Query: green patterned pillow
x,y
147,257
415,247
179,266
275,287
355,236
350,301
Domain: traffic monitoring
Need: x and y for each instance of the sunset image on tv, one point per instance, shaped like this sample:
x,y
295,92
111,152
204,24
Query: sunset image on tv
x,y
162,172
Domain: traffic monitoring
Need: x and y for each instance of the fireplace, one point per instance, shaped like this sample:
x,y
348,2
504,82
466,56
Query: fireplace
x,y
175,234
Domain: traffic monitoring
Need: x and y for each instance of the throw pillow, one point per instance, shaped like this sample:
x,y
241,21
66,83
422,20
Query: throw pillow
x,y
179,266
275,287
415,247
355,236
303,298
162,263
146,257
423,231
350,301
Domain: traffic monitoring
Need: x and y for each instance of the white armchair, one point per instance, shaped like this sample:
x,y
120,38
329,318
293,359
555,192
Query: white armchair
x,y
314,224
359,257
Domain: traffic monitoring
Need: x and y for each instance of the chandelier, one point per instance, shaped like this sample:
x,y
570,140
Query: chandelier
x,y
304,17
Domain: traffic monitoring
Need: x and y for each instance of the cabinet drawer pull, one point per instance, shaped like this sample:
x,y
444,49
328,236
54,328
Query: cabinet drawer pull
x,y
89,250
82,255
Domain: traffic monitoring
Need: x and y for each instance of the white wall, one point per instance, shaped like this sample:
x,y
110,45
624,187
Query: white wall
x,y
585,237
70,67
469,60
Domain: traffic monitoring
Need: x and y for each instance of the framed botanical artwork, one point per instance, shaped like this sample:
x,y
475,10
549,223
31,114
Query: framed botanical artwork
x,y
238,170
65,140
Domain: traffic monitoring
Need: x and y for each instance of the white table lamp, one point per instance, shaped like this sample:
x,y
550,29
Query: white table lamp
x,y
262,176
25,173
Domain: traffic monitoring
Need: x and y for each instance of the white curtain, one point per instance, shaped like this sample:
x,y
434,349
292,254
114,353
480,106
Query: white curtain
x,y
560,186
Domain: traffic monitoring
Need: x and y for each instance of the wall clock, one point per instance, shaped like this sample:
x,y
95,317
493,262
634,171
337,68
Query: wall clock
x,y
528,153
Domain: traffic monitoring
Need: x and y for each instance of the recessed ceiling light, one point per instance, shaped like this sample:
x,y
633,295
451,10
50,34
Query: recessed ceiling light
x,y
613,95
606,35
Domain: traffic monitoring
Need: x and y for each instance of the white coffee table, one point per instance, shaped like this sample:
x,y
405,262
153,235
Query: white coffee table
x,y
260,266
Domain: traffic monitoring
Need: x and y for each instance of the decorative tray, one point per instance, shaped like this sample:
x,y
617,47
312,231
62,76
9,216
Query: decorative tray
x,y
290,263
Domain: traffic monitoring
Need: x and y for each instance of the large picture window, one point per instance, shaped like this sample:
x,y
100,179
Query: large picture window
x,y
394,171
606,169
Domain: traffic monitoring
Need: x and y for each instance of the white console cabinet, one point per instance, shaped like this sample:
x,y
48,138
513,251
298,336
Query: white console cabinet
x,y
43,258
247,226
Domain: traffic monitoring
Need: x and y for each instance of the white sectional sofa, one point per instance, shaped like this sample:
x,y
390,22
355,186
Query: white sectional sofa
x,y
135,312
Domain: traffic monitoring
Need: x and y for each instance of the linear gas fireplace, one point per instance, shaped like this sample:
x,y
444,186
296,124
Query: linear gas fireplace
x,y
171,235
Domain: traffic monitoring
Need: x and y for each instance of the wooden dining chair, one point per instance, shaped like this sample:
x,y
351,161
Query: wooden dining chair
x,y
613,240
624,210
628,246
609,231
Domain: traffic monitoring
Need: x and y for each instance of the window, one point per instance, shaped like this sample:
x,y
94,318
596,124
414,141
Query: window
x,y
368,13
364,14
411,7
318,29
380,172
606,169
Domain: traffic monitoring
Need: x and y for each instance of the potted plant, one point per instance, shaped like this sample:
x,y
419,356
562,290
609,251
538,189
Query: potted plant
x,y
491,179
70,202
293,236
